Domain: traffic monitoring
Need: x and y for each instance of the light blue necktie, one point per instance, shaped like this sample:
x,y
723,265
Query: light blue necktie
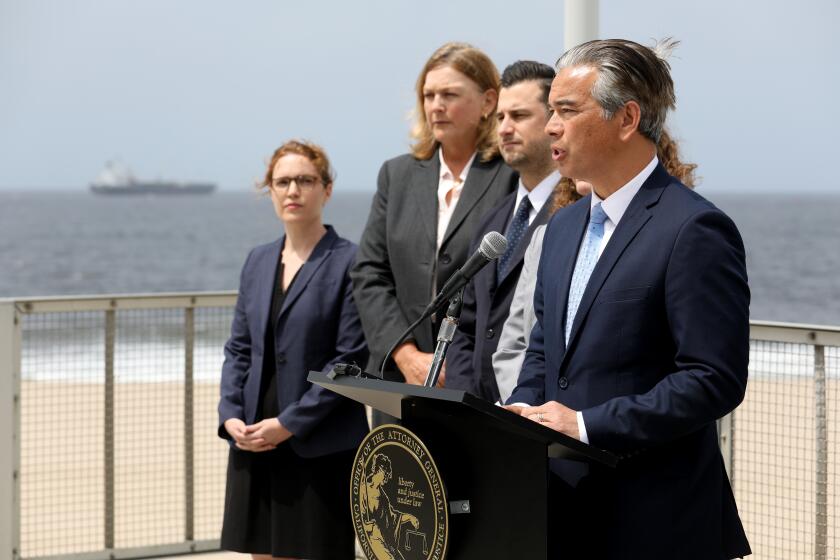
x,y
586,260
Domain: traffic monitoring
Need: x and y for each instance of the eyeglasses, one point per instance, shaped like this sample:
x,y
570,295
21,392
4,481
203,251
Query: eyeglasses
x,y
302,182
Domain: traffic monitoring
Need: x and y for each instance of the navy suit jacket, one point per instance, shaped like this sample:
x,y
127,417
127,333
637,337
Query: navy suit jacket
x,y
318,327
658,352
487,298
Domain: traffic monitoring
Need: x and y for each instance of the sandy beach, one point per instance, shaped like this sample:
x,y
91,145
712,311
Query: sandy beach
x,y
62,472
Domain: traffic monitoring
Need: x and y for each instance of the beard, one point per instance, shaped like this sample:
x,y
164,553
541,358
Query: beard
x,y
516,158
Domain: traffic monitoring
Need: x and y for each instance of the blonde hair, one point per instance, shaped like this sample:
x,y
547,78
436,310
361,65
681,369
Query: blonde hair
x,y
476,66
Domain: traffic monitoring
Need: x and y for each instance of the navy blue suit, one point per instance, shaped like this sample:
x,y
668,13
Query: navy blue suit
x,y
487,298
318,327
658,351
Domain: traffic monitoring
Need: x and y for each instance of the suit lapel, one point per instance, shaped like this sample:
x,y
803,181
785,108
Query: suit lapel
x,y
479,178
634,219
267,276
498,223
319,254
423,189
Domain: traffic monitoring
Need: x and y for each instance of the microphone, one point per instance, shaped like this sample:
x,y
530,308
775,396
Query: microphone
x,y
492,246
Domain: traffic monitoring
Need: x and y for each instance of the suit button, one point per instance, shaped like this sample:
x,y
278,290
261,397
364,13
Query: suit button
x,y
445,259
490,333
563,382
281,358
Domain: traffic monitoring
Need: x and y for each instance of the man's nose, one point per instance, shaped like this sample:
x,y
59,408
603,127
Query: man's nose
x,y
553,126
505,126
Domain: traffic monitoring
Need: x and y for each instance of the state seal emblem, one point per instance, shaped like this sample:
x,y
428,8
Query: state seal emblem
x,y
397,498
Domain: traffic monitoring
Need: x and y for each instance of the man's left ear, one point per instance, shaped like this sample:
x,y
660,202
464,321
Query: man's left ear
x,y
631,115
328,190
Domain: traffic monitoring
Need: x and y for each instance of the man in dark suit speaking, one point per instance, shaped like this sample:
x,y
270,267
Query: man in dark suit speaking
x,y
642,334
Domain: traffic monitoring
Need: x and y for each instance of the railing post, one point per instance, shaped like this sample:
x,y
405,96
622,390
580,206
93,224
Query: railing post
x,y
821,509
189,459
10,340
108,467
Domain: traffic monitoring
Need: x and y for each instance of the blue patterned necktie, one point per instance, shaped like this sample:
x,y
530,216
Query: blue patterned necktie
x,y
586,260
515,233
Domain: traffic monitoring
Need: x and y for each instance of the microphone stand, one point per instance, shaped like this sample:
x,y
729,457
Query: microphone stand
x,y
445,334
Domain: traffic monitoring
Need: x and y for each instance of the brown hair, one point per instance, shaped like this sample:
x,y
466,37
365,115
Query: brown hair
x,y
312,152
564,194
668,152
476,66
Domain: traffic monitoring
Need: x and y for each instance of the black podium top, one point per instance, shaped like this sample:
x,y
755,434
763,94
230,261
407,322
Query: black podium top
x,y
387,396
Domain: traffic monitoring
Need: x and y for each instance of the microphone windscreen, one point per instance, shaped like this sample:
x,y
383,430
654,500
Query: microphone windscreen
x,y
493,245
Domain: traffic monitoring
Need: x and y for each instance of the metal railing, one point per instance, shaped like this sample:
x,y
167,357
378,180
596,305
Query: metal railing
x,y
108,447
108,434
782,445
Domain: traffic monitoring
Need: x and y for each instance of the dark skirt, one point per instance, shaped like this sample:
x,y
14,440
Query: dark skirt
x,y
281,504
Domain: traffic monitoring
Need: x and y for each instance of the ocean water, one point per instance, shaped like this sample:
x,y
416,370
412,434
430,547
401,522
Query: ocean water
x,y
78,243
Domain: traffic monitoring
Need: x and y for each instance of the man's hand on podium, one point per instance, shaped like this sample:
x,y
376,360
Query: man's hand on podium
x,y
552,415
415,364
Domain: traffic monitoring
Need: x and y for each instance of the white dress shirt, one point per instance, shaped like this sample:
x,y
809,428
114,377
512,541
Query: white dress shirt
x,y
448,182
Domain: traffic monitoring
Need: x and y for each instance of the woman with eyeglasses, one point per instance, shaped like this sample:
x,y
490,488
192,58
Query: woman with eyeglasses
x,y
292,442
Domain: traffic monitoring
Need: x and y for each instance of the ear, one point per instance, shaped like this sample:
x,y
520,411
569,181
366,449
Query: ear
x,y
488,105
327,192
629,117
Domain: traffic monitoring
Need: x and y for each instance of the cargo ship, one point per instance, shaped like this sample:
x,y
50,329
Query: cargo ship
x,y
116,178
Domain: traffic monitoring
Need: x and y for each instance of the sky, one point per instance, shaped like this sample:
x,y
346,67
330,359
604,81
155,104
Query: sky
x,y
206,89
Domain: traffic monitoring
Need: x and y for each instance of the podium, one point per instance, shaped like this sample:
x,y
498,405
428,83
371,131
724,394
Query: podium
x,y
493,463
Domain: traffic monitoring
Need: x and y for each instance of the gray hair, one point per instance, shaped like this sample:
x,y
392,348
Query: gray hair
x,y
628,71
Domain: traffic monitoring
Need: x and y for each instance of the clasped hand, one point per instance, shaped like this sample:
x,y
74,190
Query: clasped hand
x,y
552,415
262,436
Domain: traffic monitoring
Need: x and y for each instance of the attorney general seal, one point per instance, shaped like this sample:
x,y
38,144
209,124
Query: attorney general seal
x,y
397,498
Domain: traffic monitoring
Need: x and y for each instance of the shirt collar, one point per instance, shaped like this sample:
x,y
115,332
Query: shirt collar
x,y
445,173
539,194
616,204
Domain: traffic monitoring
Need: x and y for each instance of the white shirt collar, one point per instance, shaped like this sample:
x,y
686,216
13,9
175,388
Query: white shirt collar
x,y
616,204
446,173
539,194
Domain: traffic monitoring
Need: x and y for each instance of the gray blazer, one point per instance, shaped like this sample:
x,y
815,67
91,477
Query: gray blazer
x,y
510,354
398,263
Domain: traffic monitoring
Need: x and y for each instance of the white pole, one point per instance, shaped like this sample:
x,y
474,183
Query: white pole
x,y
9,431
581,22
